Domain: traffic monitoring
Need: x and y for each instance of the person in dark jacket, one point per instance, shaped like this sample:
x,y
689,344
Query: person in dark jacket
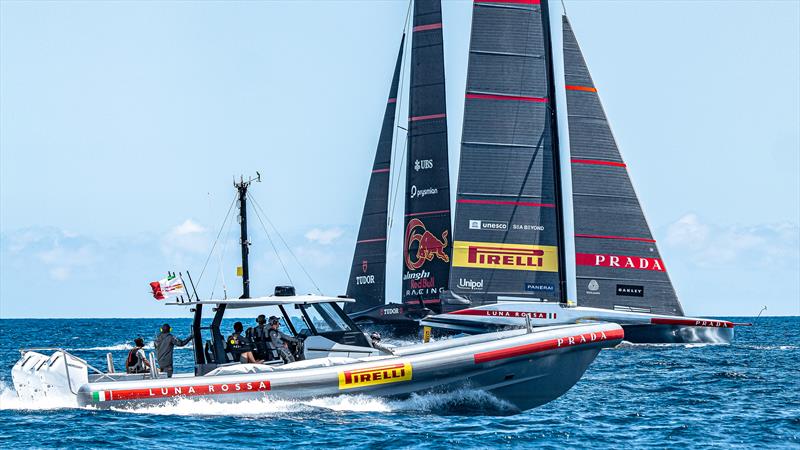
x,y
277,340
165,343
137,361
239,346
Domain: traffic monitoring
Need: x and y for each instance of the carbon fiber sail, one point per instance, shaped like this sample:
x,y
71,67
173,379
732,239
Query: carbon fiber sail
x,y
618,265
508,219
367,282
427,243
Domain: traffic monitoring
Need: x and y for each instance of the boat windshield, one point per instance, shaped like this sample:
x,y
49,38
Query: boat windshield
x,y
324,318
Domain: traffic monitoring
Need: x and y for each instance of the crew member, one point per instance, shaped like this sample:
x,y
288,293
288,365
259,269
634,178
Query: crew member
x,y
137,361
240,346
278,341
165,343
258,335
375,337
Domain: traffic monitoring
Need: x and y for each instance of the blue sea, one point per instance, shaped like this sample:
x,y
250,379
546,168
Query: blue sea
x,y
745,394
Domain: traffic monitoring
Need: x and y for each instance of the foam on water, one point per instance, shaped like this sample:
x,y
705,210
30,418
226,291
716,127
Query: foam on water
x,y
10,401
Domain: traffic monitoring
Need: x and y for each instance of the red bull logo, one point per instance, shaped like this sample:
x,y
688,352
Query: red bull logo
x,y
428,245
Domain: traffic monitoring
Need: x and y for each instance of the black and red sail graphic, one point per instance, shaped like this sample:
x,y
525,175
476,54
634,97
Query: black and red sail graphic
x,y
427,246
618,265
367,282
507,220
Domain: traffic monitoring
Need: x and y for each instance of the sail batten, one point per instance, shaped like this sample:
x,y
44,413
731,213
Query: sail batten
x,y
367,281
618,265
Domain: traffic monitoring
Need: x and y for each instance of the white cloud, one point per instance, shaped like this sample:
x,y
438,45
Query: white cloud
x,y
707,245
187,238
324,237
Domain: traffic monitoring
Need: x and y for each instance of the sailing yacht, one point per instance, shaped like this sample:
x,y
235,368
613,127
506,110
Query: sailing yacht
x,y
547,224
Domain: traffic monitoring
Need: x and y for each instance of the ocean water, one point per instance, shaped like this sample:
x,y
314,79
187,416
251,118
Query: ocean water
x,y
745,394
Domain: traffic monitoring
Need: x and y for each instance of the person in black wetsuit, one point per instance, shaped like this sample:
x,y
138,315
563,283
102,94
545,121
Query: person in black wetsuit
x,y
277,341
240,346
258,335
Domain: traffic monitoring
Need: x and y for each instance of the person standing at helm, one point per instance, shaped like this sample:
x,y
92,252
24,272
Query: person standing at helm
x,y
278,340
258,335
165,344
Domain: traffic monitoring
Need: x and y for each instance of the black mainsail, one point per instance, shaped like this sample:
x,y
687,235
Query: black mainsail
x,y
508,212
367,282
618,265
427,242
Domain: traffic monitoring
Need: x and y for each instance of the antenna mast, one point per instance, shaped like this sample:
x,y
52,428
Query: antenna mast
x,y
242,186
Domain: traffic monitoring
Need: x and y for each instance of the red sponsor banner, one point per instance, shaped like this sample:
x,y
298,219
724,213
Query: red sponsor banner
x,y
551,344
188,391
619,261
693,322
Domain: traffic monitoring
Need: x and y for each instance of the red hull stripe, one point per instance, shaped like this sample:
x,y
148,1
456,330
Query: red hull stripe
x,y
188,391
433,26
521,2
429,117
505,202
392,100
427,213
580,88
552,344
380,170
693,322
621,238
507,97
598,162
370,240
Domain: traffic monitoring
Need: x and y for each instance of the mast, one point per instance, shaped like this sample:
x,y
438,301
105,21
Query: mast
x,y
241,186
553,119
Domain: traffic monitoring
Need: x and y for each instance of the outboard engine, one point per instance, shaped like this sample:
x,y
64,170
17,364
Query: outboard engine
x,y
58,376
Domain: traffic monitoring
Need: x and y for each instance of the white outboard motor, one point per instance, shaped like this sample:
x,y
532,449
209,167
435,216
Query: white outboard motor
x,y
58,376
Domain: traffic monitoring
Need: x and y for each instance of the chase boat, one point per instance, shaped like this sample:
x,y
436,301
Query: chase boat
x,y
524,367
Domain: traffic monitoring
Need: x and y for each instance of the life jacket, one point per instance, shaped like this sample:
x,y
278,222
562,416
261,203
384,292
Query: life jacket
x,y
258,337
133,358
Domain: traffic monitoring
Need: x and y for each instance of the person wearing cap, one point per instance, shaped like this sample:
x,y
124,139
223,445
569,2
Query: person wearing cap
x,y
239,346
137,361
375,337
278,341
165,344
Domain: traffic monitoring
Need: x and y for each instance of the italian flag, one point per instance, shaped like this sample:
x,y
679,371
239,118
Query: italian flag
x,y
99,396
171,286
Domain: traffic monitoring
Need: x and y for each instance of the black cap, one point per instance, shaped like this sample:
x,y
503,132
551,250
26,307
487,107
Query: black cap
x,y
166,328
273,320
238,326
261,319
139,342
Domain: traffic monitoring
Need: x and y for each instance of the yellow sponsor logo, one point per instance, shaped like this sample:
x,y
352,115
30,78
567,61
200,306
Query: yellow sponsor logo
x,y
486,255
390,373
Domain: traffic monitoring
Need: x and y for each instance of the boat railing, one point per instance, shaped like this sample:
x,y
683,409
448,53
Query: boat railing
x,y
64,354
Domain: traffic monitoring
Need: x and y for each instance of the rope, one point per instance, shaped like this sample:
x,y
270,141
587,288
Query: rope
x,y
271,243
227,215
258,207
220,271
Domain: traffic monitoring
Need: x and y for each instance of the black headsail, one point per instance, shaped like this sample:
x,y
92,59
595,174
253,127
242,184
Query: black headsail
x,y
617,262
427,243
508,212
367,282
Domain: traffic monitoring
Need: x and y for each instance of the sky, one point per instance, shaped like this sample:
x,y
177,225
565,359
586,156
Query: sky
x,y
123,124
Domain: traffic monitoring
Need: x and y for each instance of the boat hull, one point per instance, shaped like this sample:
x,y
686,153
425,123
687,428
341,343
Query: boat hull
x,y
525,369
640,328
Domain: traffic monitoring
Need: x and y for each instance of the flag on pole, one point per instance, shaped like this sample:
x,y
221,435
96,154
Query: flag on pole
x,y
171,286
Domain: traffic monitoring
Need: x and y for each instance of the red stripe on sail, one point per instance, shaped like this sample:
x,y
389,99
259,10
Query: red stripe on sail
x,y
507,97
580,88
429,117
693,322
392,100
550,344
433,26
621,238
370,240
380,170
521,2
427,213
504,202
598,162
